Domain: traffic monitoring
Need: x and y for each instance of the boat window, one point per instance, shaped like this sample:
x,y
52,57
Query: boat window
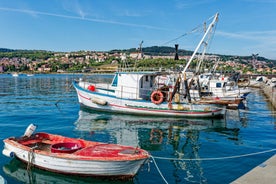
x,y
115,81
218,85
151,81
141,84
147,78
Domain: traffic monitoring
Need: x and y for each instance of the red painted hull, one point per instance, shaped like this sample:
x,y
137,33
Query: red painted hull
x,y
77,156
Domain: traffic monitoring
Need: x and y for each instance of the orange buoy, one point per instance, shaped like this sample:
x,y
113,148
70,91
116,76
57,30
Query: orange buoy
x,y
157,97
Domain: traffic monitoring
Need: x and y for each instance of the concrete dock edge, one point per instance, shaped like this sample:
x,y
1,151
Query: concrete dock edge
x,y
270,92
263,173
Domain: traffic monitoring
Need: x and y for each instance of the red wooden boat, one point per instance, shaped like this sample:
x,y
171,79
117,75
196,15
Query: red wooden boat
x,y
76,156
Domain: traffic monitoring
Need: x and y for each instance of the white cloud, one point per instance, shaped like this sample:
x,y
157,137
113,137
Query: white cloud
x,y
262,42
131,14
180,4
74,7
259,36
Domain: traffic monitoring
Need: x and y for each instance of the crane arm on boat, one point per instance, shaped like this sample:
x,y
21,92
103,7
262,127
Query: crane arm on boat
x,y
215,19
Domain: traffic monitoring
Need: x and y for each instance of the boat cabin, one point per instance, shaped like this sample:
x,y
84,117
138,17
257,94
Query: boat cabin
x,y
140,85
133,85
217,86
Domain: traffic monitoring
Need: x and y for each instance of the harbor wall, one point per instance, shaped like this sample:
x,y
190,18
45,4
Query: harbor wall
x,y
270,92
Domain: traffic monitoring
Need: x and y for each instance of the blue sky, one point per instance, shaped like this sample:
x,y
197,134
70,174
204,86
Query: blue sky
x,y
244,27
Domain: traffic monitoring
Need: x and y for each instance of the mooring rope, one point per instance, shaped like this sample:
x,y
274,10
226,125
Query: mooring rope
x,y
203,159
159,170
31,158
216,158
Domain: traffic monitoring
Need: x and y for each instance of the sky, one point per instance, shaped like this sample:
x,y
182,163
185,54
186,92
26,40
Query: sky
x,y
244,27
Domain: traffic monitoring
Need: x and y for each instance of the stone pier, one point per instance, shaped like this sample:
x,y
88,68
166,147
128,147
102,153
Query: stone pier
x,y
270,92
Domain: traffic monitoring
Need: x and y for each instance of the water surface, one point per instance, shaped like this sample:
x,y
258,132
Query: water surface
x,y
184,150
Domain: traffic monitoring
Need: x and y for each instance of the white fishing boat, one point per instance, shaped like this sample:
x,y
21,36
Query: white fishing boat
x,y
132,93
147,93
220,88
66,155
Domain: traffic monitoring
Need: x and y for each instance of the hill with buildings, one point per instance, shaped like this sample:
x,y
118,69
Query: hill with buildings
x,y
12,60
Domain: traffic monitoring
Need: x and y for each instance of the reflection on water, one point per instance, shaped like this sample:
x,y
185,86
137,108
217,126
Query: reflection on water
x,y
18,171
139,130
167,137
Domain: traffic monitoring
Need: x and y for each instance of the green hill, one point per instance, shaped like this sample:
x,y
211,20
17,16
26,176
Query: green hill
x,y
156,51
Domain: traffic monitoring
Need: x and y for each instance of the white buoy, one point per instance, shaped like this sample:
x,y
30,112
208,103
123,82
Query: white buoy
x,y
30,130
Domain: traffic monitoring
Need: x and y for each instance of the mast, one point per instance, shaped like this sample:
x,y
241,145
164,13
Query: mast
x,y
201,41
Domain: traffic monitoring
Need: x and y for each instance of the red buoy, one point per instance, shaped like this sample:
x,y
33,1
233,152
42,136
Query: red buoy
x,y
91,88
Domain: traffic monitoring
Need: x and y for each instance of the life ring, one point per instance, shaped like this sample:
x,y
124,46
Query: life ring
x,y
157,97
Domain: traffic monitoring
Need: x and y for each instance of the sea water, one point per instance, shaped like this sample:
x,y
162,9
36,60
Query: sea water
x,y
183,150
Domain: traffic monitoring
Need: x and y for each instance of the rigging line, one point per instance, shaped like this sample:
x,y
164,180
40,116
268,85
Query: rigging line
x,y
192,31
185,34
210,18
210,159
206,45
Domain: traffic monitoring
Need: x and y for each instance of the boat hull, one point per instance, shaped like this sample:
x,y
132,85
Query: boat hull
x,y
86,162
143,107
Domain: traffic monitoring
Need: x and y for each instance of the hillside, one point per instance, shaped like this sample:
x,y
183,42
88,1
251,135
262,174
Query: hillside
x,y
152,51
157,51
30,54
168,51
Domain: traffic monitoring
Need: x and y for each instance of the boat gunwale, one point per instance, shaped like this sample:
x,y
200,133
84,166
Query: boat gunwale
x,y
140,153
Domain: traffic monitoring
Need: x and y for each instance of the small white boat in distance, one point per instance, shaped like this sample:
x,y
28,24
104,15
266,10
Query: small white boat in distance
x,y
15,74
66,155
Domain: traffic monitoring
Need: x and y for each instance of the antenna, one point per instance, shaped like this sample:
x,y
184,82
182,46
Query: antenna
x,y
140,49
